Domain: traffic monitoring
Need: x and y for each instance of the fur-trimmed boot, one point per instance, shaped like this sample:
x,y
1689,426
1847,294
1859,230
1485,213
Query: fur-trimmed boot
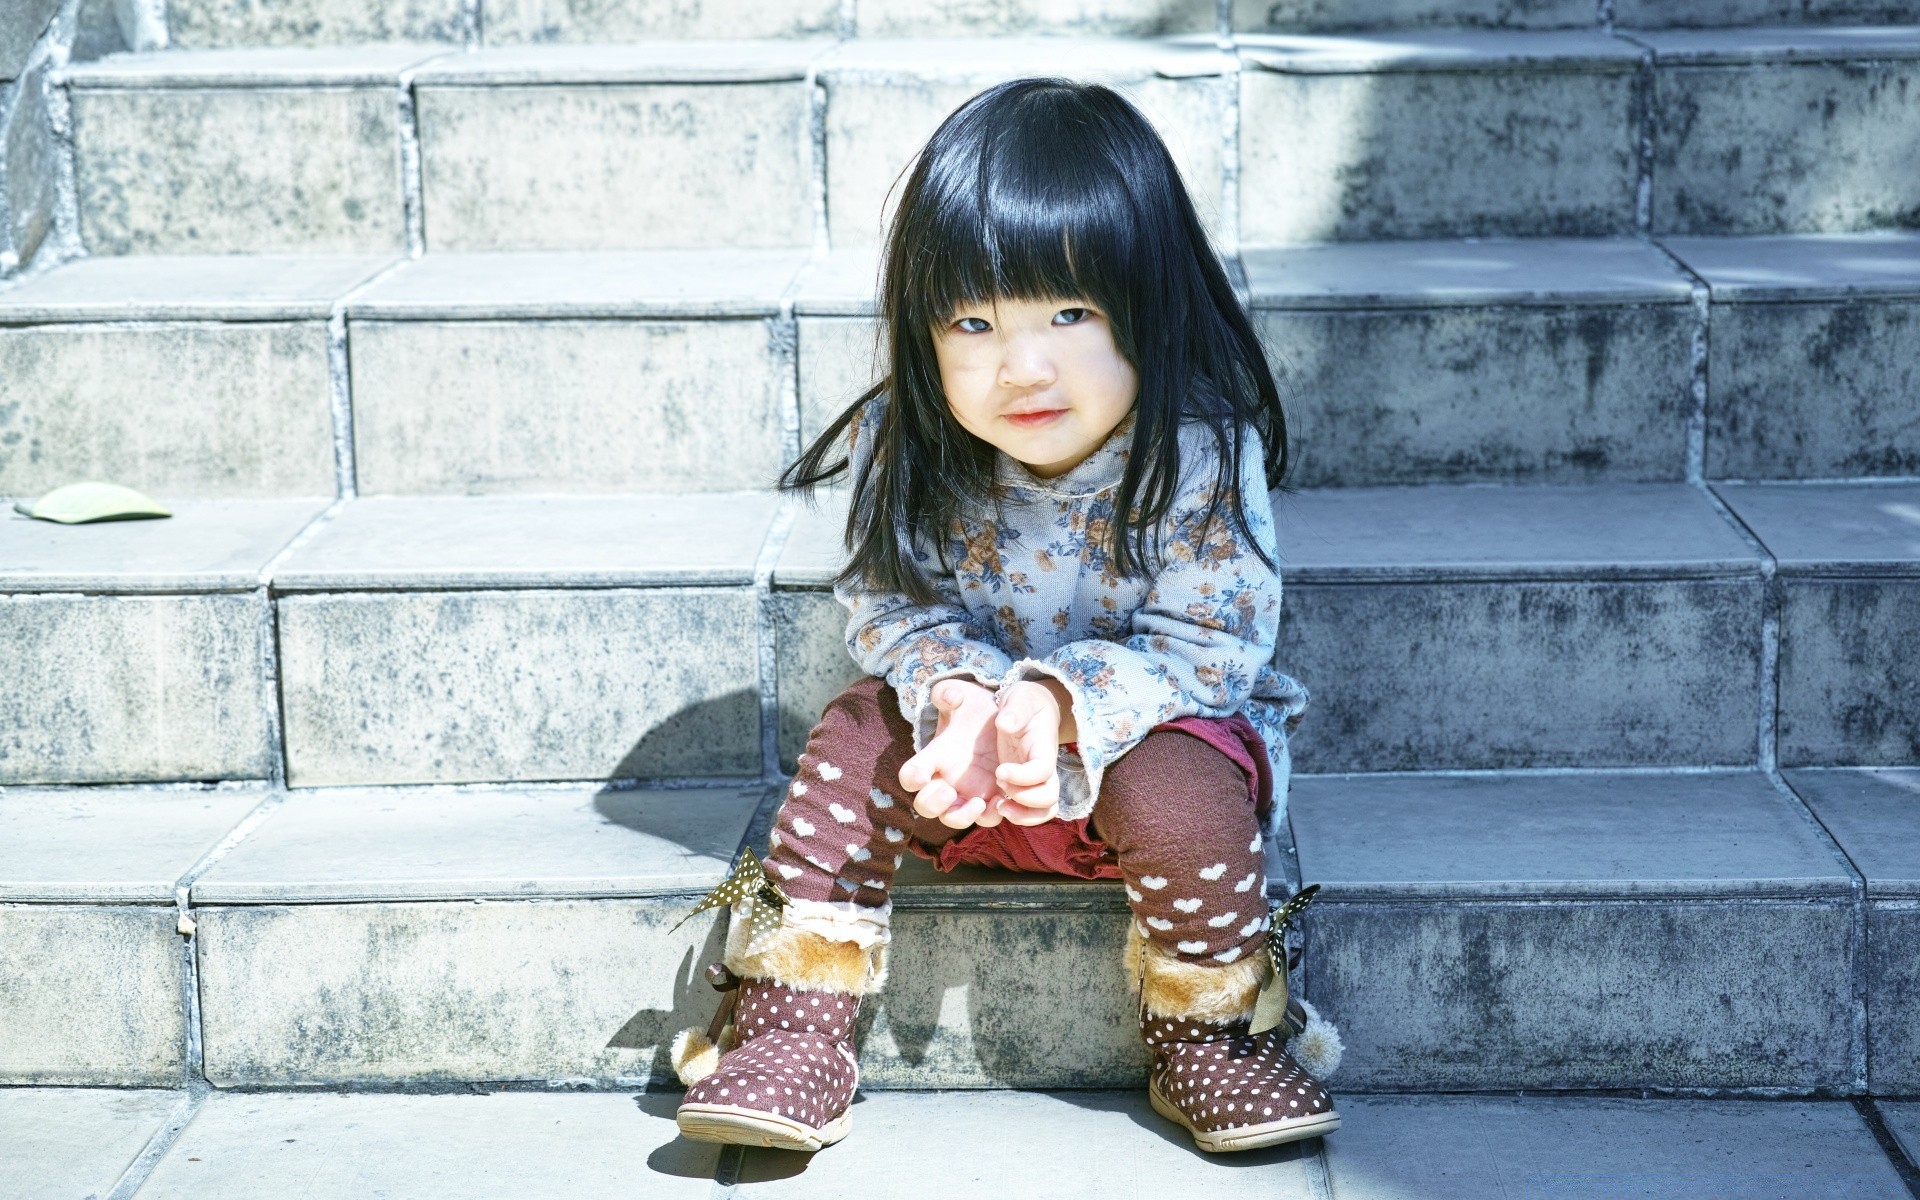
x,y
1232,1089
783,1074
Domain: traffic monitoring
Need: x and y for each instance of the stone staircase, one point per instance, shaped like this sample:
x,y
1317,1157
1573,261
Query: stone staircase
x,y
465,337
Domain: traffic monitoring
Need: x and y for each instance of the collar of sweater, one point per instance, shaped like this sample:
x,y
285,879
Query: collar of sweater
x,y
1095,473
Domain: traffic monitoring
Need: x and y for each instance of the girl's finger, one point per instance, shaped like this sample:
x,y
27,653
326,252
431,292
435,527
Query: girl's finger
x,y
917,772
1019,814
1011,775
935,798
962,815
992,815
1038,796
1014,719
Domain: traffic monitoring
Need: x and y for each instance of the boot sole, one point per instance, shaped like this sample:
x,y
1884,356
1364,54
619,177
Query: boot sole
x,y
1246,1137
751,1127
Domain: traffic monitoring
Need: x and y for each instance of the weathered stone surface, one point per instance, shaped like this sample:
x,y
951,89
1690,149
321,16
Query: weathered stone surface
x,y
885,98
1848,673
20,27
511,22
447,687
1893,997
837,364
533,541
810,631
1341,14
616,165
206,545
1483,394
505,406
29,168
395,993
1122,18
132,688
1585,1147
90,996
1650,14
1072,1145
114,845
158,170
69,1142
1826,529
1441,135
192,24
546,843
200,408
1780,146
189,287
1903,1118
499,1146
599,283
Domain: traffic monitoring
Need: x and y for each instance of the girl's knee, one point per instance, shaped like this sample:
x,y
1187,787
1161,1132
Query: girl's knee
x,y
1178,776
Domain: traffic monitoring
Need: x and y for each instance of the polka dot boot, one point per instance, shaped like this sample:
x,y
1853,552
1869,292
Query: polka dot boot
x,y
1232,1090
790,1081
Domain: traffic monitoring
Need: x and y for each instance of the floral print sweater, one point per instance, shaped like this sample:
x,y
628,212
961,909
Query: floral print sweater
x,y
1033,593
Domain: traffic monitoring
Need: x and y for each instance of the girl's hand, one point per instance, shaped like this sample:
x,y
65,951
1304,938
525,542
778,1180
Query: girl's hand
x,y
952,776
1028,743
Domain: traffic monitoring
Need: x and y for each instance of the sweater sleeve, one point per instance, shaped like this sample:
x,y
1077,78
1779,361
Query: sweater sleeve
x,y
915,646
1207,626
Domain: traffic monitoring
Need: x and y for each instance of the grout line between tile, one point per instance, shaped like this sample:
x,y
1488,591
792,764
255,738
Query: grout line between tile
x,y
726,1172
1857,947
273,699
132,1179
1313,1162
1768,733
1876,1123
412,202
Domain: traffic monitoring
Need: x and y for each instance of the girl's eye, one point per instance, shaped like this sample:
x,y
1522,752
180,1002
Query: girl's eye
x,y
1071,316
972,325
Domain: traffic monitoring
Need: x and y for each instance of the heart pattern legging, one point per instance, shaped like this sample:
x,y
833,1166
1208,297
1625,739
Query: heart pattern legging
x,y
1175,811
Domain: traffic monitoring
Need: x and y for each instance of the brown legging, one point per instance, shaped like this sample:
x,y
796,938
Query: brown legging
x,y
1175,810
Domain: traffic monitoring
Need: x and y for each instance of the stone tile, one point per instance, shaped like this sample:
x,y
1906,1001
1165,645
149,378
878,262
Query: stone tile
x,y
623,164
841,283
70,1142
450,687
1435,274
483,844
1648,14
569,405
536,541
1378,14
630,283
1847,672
20,30
838,362
209,408
809,629
1603,834
93,996
125,689
1833,528
736,59
189,287
252,66
507,1144
207,545
814,550
118,845
314,994
30,158
1586,1147
511,22
1084,18
1549,148
1893,997
158,165
1903,1117
206,24
1874,813
1786,131
1048,1146
1792,268
886,97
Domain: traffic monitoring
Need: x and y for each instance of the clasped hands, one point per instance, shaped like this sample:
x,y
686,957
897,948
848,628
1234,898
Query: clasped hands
x,y
987,763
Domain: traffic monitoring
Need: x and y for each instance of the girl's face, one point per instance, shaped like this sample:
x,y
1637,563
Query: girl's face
x,y
1039,379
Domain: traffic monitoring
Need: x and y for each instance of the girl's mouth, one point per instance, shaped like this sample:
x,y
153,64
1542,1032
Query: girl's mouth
x,y
1033,420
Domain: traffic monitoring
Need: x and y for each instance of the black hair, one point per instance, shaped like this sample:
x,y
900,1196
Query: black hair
x,y
1041,189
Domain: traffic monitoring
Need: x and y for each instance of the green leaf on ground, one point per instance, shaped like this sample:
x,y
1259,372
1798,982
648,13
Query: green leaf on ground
x,y
81,503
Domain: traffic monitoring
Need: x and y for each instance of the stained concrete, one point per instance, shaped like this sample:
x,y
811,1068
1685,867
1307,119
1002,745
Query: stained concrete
x,y
511,22
198,24
810,632
561,541
1783,131
844,282
65,1142
19,30
569,405
205,546
121,689
92,996
1875,816
814,549
1433,274
885,97
1828,529
1080,18
839,360
503,1146
619,283
1798,268
1903,1118
448,687
206,408
1049,1146
1436,135
30,159
558,165
416,992
409,844
252,66
111,845
1585,1148
189,287
1653,13
1341,15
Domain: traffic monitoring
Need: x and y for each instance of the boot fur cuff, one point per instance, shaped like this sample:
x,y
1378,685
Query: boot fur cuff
x,y
806,962
1188,991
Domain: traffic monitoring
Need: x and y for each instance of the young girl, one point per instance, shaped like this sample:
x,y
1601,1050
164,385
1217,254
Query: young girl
x,y
1062,584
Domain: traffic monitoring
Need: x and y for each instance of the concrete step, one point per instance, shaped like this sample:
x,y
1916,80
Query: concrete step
x,y
1847,594
408,936
1302,16
512,1144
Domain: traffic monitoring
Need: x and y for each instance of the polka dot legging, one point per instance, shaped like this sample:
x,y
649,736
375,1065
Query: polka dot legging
x,y
1176,812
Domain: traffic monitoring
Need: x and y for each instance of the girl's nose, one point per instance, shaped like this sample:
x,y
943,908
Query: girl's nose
x,y
1023,364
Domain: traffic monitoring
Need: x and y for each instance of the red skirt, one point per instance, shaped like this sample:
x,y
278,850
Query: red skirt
x,y
1065,847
